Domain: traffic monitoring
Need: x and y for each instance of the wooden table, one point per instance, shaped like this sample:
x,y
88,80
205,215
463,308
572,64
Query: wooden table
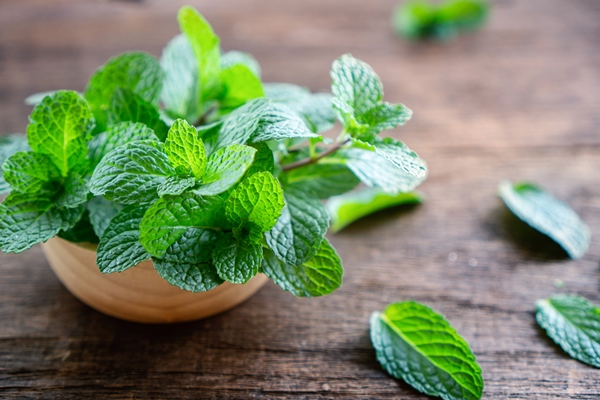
x,y
518,100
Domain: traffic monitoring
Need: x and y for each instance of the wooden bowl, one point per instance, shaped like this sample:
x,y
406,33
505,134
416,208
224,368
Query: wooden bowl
x,y
138,294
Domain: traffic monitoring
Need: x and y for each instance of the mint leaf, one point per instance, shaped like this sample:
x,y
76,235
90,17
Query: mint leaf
x,y
237,261
131,174
417,345
240,84
573,323
205,45
232,58
101,212
242,123
180,89
116,136
170,217
120,247
347,208
548,215
29,172
27,219
127,106
324,180
225,168
74,192
386,116
258,200
60,127
319,276
36,98
138,72
195,246
263,160
81,232
300,229
175,185
9,145
199,277
185,149
279,121
209,135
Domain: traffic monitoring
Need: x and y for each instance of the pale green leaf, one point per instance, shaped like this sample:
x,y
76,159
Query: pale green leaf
x,y
175,185
29,172
127,106
240,84
101,212
9,145
263,159
234,57
185,149
241,124
225,168
193,277
237,261
279,121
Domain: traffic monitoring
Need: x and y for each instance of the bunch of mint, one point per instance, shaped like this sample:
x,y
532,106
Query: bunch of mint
x,y
195,163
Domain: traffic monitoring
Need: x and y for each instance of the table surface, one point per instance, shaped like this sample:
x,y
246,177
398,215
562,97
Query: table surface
x,y
518,100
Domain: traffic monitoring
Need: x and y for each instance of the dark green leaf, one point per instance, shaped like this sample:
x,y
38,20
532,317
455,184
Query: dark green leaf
x,y
29,172
175,185
101,213
225,168
199,277
324,180
237,261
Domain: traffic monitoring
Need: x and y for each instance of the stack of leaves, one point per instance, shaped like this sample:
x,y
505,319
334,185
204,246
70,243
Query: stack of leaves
x,y
195,163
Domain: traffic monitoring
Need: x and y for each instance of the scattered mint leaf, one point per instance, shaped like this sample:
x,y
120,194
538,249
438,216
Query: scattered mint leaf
x,y
319,276
116,136
237,261
225,168
199,277
127,106
258,200
240,84
324,180
548,215
185,149
298,233
9,145
101,212
29,172
232,58
171,216
573,323
131,174
60,127
74,193
137,72
175,185
347,208
120,247
417,345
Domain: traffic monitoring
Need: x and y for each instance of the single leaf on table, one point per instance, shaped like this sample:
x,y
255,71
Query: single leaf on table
x,y
74,192
101,212
135,71
185,149
131,174
319,276
175,185
169,218
225,168
234,57
60,127
237,261
347,208
120,247
9,145
127,106
258,200
324,180
29,172
548,215
180,89
115,136
193,277
573,323
240,84
27,219
298,233
417,345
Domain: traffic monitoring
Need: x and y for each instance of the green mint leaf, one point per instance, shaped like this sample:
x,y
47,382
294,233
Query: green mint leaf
x,y
175,185
101,212
385,116
319,276
127,106
193,277
74,193
242,123
225,168
258,200
263,160
298,233
36,98
210,135
237,261
29,172
170,217
573,323
180,89
27,219
194,246
347,208
120,247
60,127
232,58
285,92
138,72
324,180
548,215
402,157
185,149
9,145
205,45
279,121
116,136
417,345
131,174
81,232
240,84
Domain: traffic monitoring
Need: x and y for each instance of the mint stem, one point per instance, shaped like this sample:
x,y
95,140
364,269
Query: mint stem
x,y
312,160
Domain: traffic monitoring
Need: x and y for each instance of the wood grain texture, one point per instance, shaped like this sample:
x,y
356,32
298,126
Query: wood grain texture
x,y
517,100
